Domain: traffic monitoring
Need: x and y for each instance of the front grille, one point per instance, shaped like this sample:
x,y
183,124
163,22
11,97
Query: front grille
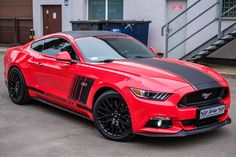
x,y
203,97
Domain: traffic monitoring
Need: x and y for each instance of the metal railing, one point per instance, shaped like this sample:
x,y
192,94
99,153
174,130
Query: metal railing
x,y
165,29
228,4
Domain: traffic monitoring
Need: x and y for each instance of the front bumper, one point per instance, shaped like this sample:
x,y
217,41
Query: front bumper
x,y
142,111
190,132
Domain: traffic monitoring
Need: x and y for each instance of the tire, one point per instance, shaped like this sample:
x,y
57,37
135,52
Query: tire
x,y
112,117
17,87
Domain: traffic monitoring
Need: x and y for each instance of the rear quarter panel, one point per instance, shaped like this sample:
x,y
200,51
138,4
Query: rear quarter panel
x,y
16,57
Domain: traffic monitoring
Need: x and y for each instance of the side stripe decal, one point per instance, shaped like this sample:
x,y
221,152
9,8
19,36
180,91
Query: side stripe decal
x,y
81,88
86,89
76,87
61,99
197,78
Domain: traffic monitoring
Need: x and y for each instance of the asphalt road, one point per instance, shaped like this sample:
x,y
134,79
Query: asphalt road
x,y
37,130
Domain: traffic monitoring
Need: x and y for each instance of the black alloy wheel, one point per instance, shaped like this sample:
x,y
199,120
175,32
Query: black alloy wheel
x,y
112,117
17,88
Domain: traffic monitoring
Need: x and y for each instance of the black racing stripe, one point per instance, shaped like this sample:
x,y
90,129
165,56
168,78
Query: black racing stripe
x,y
197,78
86,89
77,87
73,87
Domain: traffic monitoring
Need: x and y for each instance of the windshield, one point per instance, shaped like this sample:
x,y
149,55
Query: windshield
x,y
95,49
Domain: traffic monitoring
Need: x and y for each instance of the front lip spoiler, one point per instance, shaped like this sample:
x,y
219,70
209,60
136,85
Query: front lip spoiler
x,y
190,132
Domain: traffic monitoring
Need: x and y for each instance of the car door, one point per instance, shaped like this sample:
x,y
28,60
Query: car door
x,y
55,77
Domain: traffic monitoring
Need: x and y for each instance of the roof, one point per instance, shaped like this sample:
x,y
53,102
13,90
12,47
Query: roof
x,y
81,34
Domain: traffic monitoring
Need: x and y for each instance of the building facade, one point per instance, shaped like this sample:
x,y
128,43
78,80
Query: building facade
x,y
55,15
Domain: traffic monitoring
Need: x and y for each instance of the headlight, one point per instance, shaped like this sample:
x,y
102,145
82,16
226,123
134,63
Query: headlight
x,y
150,94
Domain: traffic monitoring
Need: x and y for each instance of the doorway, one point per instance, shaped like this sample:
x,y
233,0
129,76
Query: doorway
x,y
52,19
175,7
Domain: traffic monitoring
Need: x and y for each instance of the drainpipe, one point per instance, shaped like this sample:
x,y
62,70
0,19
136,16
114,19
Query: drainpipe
x,y
220,3
166,40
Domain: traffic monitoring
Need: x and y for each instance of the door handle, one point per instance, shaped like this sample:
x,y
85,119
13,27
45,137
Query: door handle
x,y
36,63
49,66
66,64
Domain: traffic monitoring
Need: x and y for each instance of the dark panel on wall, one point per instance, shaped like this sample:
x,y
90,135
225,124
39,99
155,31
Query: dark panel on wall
x,y
16,8
226,52
6,31
15,21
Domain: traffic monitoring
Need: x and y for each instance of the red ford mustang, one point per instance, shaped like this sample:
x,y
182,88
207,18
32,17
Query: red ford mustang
x,y
119,83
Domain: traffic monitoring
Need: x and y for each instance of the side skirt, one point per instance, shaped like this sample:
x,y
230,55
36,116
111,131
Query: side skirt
x,y
61,108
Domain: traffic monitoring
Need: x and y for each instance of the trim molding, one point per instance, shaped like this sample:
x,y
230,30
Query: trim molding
x,y
46,101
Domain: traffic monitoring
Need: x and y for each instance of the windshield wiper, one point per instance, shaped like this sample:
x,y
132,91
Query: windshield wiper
x,y
107,60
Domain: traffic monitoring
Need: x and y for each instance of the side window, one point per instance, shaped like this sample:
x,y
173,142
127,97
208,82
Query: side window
x,y
52,46
38,46
66,46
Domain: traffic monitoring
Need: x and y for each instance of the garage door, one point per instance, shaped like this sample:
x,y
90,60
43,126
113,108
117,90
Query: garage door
x,y
15,21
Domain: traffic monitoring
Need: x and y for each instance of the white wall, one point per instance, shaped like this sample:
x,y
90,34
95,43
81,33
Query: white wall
x,y
154,10
79,10
38,17
209,31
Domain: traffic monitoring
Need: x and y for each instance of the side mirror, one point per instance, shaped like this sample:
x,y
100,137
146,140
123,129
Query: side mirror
x,y
154,51
64,56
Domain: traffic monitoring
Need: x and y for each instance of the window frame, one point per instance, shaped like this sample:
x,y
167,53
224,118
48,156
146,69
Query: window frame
x,y
78,59
229,14
31,45
106,10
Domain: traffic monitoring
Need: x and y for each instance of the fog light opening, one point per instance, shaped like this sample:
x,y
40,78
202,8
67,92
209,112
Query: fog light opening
x,y
159,122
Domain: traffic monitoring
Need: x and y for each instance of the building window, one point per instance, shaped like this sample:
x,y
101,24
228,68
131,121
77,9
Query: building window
x,y
227,4
105,9
115,9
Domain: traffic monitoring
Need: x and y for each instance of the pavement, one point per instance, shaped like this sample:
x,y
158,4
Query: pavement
x,y
225,70
37,130
3,49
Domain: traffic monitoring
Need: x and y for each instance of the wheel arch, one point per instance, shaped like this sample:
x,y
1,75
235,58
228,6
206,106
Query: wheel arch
x,y
22,73
23,95
104,89
14,66
100,91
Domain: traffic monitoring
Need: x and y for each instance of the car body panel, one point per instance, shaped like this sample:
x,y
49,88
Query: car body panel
x,y
55,81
